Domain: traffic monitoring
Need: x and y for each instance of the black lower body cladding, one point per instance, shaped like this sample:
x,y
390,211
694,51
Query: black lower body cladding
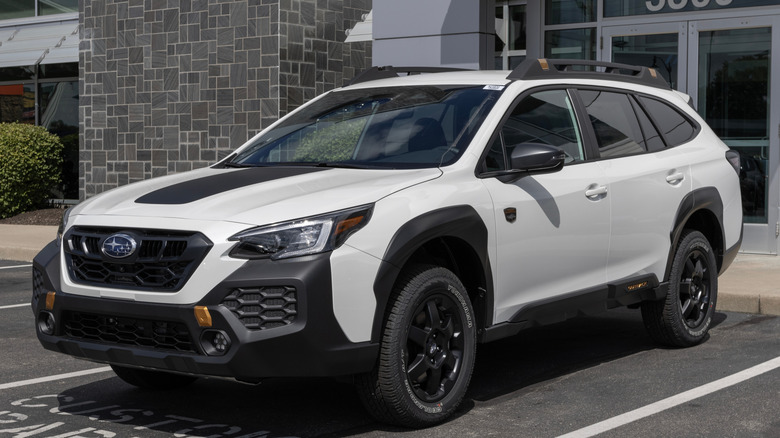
x,y
308,342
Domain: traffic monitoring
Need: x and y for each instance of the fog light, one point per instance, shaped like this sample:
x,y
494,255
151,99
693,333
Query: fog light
x,y
215,342
46,323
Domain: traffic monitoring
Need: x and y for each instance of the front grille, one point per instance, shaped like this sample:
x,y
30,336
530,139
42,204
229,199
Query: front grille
x,y
261,308
38,288
162,261
161,335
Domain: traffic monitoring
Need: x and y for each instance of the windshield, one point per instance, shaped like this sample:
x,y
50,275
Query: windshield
x,y
398,127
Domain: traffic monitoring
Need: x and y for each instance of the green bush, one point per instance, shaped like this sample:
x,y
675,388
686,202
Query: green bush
x,y
30,166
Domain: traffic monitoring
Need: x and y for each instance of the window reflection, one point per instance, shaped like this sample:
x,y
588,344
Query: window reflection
x,y
59,103
50,7
734,72
17,103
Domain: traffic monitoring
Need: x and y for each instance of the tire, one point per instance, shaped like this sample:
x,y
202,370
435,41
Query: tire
x,y
683,319
426,353
148,379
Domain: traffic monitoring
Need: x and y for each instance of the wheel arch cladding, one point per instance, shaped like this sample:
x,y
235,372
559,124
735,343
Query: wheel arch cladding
x,y
452,237
700,210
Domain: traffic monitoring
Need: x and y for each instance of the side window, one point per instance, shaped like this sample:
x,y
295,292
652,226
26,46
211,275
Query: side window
x,y
675,127
614,123
652,137
545,117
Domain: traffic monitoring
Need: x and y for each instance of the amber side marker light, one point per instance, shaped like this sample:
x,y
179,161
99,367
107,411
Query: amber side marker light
x,y
544,64
346,224
203,316
50,300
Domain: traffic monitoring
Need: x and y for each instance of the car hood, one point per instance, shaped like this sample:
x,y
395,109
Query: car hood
x,y
254,196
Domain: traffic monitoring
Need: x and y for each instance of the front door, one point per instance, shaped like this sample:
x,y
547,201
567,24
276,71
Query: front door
x,y
726,67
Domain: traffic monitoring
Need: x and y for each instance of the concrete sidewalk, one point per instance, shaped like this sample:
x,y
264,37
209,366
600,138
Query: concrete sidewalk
x,y
750,285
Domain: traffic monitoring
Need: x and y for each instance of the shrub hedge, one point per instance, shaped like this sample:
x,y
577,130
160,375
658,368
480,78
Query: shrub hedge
x,y
30,166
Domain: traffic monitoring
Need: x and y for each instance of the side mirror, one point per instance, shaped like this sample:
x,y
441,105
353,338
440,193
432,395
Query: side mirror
x,y
536,158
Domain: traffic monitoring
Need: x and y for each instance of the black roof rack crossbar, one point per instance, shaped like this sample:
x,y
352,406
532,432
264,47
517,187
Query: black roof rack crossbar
x,y
559,68
390,71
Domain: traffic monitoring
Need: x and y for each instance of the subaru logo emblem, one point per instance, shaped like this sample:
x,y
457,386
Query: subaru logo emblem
x,y
119,246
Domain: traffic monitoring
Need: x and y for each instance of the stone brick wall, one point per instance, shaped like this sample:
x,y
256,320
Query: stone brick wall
x,y
171,85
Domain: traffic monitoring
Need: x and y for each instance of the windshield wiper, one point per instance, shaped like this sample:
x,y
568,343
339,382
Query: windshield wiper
x,y
343,165
243,165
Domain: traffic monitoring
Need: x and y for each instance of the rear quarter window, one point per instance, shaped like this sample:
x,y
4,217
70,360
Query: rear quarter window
x,y
675,127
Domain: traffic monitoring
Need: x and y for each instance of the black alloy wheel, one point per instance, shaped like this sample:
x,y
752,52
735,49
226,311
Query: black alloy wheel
x,y
434,348
684,317
427,351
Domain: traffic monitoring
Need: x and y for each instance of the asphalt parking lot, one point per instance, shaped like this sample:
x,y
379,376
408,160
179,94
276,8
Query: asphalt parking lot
x,y
586,377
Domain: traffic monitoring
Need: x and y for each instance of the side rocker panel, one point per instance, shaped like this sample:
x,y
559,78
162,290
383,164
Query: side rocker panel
x,y
461,222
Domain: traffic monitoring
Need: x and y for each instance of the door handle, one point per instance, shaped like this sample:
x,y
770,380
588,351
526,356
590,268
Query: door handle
x,y
595,192
675,178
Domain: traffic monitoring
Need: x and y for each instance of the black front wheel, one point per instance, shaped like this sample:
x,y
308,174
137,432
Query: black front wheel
x,y
683,319
427,351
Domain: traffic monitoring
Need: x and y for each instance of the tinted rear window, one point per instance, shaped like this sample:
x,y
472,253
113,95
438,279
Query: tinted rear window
x,y
676,128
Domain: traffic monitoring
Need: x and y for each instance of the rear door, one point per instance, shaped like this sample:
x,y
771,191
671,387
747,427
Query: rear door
x,y
647,179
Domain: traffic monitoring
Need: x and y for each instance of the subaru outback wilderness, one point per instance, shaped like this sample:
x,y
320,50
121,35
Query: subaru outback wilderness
x,y
386,228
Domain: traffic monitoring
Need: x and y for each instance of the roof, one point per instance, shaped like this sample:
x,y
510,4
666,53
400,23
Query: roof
x,y
44,43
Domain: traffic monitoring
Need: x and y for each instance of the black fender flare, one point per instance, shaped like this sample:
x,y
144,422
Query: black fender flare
x,y
706,198
461,222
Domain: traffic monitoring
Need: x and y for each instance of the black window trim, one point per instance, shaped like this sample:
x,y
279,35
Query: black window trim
x,y
592,143
654,121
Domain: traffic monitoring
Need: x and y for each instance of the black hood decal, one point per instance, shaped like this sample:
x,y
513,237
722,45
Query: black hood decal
x,y
193,190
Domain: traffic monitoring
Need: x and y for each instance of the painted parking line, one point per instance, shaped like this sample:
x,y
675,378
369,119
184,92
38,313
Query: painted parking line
x,y
15,267
13,306
675,400
54,377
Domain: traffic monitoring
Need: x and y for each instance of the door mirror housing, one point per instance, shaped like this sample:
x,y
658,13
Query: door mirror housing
x,y
536,158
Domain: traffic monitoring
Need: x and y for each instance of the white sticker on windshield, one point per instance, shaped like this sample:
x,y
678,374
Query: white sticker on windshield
x,y
494,87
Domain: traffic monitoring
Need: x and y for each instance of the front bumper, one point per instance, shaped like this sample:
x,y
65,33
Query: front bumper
x,y
307,342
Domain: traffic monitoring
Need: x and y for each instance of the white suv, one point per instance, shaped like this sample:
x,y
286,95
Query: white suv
x,y
386,228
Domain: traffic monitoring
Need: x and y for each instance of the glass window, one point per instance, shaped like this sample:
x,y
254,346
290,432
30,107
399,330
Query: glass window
x,y
676,128
545,117
614,123
654,140
510,45
658,51
570,44
619,8
51,71
406,127
568,11
17,74
50,7
16,9
17,103
59,106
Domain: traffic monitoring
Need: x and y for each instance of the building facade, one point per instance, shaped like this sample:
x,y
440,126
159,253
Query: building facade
x,y
39,42
144,88
171,85
725,54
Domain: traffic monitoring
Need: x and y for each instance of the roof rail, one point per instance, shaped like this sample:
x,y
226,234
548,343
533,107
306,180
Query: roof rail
x,y
390,71
561,68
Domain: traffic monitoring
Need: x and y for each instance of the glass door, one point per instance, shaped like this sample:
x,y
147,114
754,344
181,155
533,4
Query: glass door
x,y
661,46
730,67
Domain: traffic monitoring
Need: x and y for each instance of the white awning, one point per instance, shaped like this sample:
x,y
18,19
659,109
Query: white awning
x,y
363,30
46,43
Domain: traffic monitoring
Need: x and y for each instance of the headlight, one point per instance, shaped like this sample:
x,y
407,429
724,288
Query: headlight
x,y
63,225
300,237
